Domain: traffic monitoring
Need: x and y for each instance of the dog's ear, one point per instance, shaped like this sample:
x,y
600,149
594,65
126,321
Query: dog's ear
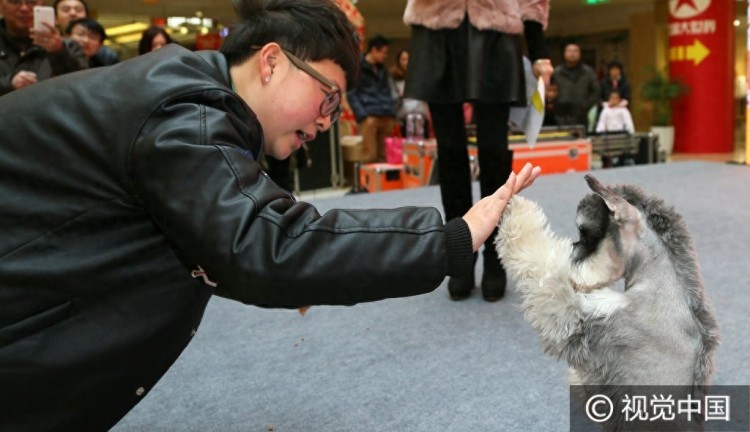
x,y
622,210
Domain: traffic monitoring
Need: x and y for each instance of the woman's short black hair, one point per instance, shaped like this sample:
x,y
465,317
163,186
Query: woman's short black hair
x,y
148,35
90,24
313,30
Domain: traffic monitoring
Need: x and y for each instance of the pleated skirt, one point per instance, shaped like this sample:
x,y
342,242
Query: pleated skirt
x,y
465,65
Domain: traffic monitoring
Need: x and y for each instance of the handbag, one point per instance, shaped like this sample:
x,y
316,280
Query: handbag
x,y
394,147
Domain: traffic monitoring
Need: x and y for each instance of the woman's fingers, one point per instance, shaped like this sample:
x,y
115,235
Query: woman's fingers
x,y
526,177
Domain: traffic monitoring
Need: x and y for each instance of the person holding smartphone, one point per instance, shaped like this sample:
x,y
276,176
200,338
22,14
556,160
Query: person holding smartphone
x,y
29,55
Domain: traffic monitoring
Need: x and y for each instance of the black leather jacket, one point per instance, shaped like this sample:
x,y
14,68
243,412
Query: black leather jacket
x,y
126,193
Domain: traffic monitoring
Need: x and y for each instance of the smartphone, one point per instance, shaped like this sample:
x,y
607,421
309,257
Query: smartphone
x,y
43,14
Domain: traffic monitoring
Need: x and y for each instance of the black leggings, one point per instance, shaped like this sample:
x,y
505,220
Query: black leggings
x,y
495,160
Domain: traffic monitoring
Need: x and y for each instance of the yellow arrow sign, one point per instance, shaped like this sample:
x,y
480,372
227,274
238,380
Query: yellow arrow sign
x,y
697,52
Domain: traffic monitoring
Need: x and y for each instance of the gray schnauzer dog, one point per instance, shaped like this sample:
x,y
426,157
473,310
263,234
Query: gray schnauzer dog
x,y
660,331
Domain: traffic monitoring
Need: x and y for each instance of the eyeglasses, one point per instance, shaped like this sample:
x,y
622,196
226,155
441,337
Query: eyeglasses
x,y
331,104
26,2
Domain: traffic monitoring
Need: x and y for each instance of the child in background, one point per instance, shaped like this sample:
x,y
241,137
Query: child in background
x,y
550,94
615,116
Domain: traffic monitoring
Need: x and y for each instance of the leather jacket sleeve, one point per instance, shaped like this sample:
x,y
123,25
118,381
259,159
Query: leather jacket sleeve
x,y
223,213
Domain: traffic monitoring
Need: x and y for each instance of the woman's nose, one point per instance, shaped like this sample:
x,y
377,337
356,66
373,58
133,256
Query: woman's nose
x,y
323,123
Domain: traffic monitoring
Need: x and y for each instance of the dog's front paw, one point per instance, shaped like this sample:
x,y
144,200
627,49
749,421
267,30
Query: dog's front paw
x,y
529,250
522,238
521,217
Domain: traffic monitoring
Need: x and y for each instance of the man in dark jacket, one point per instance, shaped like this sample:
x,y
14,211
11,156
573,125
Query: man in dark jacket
x,y
27,57
577,89
373,102
124,213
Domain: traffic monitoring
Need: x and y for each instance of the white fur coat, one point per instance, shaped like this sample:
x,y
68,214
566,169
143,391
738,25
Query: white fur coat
x,y
506,16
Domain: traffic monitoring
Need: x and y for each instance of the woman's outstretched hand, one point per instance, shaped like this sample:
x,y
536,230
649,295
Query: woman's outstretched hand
x,y
484,216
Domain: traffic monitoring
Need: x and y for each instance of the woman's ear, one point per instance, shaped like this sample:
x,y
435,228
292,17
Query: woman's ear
x,y
269,55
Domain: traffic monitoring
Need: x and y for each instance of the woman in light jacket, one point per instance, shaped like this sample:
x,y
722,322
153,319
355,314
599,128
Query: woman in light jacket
x,y
470,51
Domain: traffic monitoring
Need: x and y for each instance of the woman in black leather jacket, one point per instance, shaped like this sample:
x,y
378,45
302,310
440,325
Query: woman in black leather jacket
x,y
124,212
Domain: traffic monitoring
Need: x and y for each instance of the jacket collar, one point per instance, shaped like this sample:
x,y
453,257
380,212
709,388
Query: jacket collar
x,y
219,62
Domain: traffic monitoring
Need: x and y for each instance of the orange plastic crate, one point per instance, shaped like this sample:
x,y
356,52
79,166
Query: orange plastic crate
x,y
379,177
552,156
419,162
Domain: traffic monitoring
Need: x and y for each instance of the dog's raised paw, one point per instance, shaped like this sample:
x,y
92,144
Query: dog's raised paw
x,y
521,216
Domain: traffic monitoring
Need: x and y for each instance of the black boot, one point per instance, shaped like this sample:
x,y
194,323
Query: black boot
x,y
461,288
494,278
495,165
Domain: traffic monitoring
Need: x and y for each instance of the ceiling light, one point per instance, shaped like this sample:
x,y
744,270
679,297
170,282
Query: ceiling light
x,y
126,39
126,28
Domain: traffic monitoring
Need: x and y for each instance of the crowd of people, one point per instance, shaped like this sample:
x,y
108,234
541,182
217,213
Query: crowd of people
x,y
574,95
577,97
75,42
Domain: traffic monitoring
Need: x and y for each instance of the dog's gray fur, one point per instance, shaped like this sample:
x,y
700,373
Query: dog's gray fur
x,y
659,331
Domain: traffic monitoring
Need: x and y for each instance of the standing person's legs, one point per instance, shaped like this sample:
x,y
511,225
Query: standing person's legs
x,y
455,178
495,165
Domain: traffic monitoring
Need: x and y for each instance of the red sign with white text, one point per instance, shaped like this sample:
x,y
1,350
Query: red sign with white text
x,y
701,54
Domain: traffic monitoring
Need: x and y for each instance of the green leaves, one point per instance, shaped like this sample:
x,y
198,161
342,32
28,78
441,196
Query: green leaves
x,y
661,90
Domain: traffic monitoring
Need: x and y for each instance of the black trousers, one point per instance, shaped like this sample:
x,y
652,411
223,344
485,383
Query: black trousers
x,y
495,160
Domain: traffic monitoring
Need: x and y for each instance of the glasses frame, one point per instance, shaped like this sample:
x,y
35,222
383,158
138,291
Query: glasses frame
x,y
335,89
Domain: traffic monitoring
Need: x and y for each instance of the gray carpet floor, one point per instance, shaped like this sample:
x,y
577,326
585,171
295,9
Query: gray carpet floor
x,y
427,363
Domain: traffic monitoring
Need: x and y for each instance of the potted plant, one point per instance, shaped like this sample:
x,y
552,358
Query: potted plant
x,y
660,90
